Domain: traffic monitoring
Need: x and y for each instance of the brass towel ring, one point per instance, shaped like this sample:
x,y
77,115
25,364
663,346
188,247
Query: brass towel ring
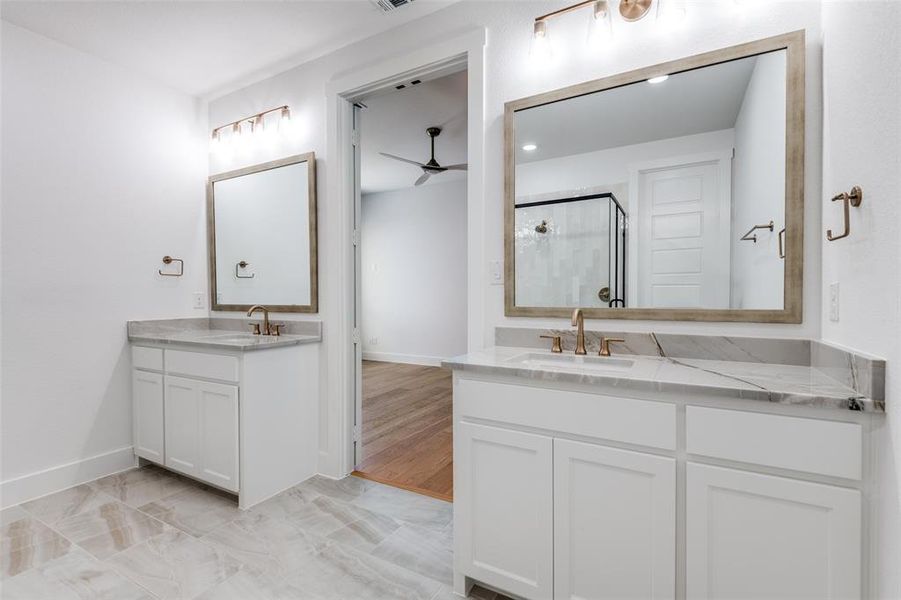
x,y
853,199
168,260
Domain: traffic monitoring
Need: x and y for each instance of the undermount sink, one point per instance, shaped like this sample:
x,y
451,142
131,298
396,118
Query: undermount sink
x,y
572,362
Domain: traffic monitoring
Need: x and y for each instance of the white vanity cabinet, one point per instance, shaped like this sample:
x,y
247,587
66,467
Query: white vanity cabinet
x,y
566,493
243,421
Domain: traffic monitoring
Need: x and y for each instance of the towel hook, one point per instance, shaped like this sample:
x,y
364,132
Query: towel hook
x,y
753,238
243,265
168,260
853,199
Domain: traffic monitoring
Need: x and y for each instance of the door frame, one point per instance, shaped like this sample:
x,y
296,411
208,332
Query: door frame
x,y
723,157
343,395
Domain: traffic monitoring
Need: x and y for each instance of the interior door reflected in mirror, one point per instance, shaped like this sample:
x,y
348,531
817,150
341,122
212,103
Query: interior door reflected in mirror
x,y
663,191
262,236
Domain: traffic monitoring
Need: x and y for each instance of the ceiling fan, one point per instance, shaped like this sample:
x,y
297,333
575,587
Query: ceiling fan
x,y
432,167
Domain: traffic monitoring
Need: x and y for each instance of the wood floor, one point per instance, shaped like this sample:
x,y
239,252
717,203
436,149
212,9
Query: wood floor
x,y
408,428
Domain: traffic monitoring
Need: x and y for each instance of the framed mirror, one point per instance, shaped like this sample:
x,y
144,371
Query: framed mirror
x,y
674,192
261,224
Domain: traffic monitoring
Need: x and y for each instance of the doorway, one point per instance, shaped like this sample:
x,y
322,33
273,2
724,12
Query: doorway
x,y
410,169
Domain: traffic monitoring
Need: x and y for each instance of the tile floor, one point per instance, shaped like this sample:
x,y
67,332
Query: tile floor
x,y
149,534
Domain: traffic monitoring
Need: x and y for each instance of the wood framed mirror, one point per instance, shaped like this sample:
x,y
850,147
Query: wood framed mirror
x,y
262,237
673,192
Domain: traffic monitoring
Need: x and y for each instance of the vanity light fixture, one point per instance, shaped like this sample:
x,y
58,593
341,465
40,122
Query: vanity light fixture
x,y
530,147
600,26
256,122
658,79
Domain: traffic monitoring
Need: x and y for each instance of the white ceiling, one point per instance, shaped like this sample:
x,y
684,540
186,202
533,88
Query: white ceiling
x,y
396,122
698,101
211,47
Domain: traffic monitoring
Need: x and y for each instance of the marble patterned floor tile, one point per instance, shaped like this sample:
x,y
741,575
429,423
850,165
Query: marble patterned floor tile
x,y
197,511
366,533
109,528
56,507
346,489
287,503
19,530
337,572
174,565
477,593
74,576
11,514
406,506
324,516
274,546
18,561
249,584
422,550
138,487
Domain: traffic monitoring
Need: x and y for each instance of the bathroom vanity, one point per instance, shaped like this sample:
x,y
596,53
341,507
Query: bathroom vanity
x,y
671,475
226,407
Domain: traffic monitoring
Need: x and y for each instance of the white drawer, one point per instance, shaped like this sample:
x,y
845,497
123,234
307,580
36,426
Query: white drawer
x,y
810,445
594,415
199,364
147,358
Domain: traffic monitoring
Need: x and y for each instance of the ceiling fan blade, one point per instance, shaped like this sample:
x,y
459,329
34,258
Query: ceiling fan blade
x,y
460,167
422,179
406,160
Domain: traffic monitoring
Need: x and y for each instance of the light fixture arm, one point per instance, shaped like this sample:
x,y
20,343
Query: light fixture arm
x,y
252,118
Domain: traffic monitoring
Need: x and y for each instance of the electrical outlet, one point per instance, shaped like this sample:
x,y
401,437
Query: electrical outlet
x,y
496,272
373,341
833,301
198,300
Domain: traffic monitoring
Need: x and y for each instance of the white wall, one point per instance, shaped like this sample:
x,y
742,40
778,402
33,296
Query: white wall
x,y
103,174
758,187
510,74
862,146
414,273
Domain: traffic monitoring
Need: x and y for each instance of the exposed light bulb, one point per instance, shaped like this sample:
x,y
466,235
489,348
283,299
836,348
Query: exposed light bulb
x,y
258,125
541,45
530,147
236,131
285,119
600,27
658,79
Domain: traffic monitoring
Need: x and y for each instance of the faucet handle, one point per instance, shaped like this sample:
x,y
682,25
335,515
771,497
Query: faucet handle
x,y
556,342
256,328
274,328
605,345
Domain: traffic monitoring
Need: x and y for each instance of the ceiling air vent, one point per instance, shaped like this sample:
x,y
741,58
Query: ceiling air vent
x,y
389,5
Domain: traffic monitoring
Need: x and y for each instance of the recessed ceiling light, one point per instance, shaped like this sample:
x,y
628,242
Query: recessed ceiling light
x,y
658,79
530,147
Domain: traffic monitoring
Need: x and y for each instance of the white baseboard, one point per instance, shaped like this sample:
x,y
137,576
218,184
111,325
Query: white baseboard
x,y
407,359
34,485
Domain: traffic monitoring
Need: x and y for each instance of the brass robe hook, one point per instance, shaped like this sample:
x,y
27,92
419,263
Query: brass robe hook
x,y
850,199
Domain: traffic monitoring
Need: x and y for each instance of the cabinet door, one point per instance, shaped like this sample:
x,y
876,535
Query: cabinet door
x,y
764,537
183,425
147,412
504,495
614,523
219,434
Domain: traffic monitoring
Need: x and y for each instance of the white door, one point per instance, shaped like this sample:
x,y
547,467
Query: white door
x,y
357,344
183,425
218,434
147,394
760,537
504,495
614,523
683,235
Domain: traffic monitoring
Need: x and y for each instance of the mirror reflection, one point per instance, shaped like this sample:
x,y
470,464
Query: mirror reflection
x,y
666,193
264,236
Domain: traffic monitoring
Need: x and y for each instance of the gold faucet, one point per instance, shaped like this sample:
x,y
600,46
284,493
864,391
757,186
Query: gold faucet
x,y
579,322
605,345
256,328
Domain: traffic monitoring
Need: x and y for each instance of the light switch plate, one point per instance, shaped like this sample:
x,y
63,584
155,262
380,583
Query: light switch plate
x,y
833,301
496,272
198,300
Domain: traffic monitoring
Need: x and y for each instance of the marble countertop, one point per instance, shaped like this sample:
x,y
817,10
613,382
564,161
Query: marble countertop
x,y
767,382
220,334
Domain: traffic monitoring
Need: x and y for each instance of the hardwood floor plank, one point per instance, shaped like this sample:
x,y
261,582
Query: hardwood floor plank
x,y
407,431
